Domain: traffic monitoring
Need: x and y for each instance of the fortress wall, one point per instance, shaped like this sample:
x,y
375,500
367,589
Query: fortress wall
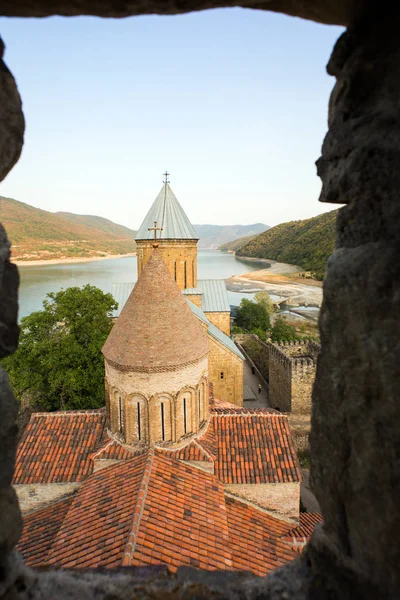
x,y
280,379
303,375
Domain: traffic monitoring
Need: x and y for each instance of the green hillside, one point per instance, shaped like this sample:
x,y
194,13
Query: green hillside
x,y
237,244
99,223
37,234
306,243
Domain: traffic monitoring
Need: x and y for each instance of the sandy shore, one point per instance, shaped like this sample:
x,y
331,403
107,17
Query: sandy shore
x,y
63,261
281,280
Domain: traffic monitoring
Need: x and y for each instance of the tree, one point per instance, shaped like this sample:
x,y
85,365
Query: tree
x,y
264,299
250,316
260,333
58,360
283,332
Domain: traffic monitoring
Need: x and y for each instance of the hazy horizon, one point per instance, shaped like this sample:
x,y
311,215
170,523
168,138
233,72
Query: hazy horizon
x,y
232,102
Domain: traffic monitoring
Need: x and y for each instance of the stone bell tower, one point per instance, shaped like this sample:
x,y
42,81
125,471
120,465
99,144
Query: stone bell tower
x,y
177,240
156,364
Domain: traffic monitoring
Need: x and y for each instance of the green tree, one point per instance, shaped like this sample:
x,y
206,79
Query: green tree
x,y
59,361
283,332
260,333
264,299
251,315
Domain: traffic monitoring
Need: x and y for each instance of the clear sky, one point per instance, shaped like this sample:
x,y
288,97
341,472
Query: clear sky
x,y
232,102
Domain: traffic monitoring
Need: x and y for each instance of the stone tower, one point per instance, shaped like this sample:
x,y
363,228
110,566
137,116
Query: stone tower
x,y
156,363
177,240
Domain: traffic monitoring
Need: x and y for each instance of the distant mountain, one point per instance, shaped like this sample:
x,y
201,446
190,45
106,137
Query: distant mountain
x,y
99,223
306,243
213,236
39,234
237,244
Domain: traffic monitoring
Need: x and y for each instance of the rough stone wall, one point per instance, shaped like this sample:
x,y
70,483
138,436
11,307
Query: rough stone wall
x,y
281,500
222,360
33,496
177,255
280,379
355,474
222,320
303,376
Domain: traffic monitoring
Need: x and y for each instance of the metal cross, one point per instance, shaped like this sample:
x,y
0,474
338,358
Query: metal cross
x,y
166,180
155,229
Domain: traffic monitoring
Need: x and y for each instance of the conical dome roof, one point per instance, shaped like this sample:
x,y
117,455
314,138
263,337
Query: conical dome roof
x,y
169,215
156,330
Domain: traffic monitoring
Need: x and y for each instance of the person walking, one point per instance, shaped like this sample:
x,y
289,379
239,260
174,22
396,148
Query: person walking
x,y
259,388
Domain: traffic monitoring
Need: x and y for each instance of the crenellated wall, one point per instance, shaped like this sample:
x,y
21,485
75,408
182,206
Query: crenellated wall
x,y
292,368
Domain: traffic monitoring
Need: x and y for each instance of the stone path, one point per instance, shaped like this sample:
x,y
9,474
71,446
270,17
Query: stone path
x,y
250,383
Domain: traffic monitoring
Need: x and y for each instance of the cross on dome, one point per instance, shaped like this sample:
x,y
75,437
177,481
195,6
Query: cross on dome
x,y
155,229
166,175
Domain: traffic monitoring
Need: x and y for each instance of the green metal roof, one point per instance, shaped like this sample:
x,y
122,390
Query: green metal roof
x,y
121,293
215,296
169,215
214,331
193,292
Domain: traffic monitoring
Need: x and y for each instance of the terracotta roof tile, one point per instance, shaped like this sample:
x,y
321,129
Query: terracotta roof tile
x,y
298,536
95,530
184,518
39,531
255,538
254,447
56,447
110,449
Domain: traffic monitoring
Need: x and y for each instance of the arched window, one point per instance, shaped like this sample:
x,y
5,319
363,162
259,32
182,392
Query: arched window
x,y
120,415
193,273
136,419
199,404
160,419
175,270
184,416
184,275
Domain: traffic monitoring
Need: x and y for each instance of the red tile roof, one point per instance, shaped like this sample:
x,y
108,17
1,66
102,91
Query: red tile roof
x,y
193,451
183,520
298,536
39,531
255,538
96,528
109,449
254,447
56,447
153,509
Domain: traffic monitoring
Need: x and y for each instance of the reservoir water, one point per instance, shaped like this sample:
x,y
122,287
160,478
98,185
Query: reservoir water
x,y
37,281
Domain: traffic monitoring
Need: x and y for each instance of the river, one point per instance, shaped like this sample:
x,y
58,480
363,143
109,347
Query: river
x,y
37,281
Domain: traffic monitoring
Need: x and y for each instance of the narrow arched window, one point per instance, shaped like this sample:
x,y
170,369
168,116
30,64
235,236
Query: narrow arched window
x,y
199,401
162,421
184,416
184,275
139,427
175,270
120,415
192,273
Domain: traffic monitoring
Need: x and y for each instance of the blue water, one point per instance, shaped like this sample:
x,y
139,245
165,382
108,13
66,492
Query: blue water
x,y
36,282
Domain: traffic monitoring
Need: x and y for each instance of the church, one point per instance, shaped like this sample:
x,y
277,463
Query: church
x,y
167,223
171,470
